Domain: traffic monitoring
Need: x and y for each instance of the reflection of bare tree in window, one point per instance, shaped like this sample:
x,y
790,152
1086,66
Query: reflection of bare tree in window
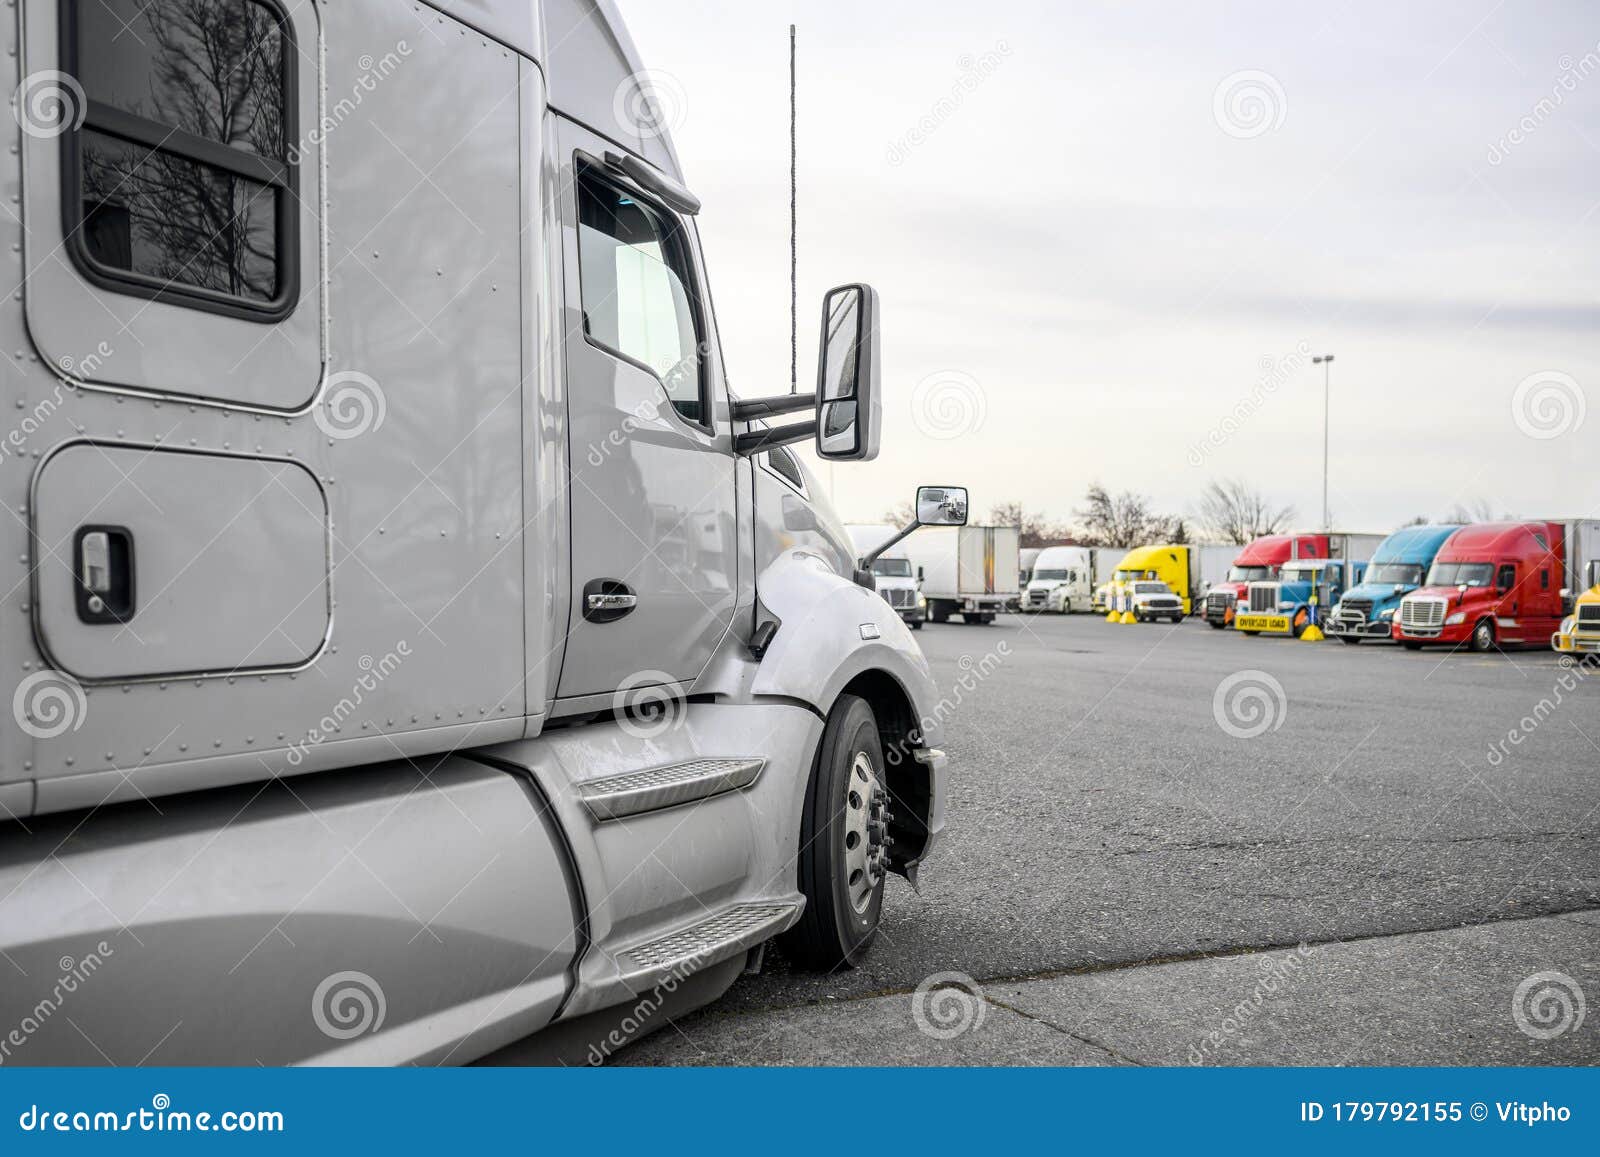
x,y
215,71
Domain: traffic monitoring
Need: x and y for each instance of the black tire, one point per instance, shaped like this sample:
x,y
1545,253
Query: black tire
x,y
939,614
916,624
1410,646
1252,634
1349,640
834,931
1483,638
1217,626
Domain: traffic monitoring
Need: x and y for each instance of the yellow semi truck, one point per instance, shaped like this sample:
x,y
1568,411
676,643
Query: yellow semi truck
x,y
1580,631
1188,569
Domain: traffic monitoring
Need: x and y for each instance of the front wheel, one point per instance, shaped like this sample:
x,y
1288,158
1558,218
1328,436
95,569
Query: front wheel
x,y
1350,640
1216,626
1482,636
916,624
844,843
1410,646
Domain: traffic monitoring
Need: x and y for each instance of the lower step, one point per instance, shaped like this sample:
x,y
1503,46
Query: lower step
x,y
712,940
617,796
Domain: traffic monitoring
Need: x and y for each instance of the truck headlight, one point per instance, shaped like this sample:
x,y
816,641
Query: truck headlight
x,y
1568,624
1456,619
921,601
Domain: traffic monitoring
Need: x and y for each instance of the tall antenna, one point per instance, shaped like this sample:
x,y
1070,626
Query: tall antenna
x,y
794,228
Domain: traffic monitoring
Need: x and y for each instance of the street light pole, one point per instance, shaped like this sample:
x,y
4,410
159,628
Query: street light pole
x,y
1325,361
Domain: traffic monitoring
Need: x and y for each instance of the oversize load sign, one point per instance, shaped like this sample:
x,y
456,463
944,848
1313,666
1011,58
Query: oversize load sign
x,y
1267,624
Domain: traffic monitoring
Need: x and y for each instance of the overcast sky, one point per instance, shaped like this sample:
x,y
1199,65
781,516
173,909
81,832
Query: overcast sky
x,y
1108,236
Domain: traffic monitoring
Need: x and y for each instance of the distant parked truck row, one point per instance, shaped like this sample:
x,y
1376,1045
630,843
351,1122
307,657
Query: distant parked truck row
x,y
1481,586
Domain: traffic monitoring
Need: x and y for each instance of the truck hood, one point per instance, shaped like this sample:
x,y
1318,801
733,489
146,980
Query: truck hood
x,y
1381,595
1454,595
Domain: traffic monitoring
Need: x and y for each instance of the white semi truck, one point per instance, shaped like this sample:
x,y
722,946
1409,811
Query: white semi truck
x,y
415,650
1064,578
971,571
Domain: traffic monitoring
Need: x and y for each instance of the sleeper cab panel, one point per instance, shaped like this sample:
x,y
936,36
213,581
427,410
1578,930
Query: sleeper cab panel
x,y
229,561
106,336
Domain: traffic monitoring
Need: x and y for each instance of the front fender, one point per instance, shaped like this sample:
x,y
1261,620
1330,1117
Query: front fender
x,y
820,648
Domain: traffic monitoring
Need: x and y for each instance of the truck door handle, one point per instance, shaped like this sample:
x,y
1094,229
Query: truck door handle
x,y
607,600
103,570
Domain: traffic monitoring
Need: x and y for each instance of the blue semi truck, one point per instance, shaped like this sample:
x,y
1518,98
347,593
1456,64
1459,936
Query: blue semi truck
x,y
1398,567
1305,589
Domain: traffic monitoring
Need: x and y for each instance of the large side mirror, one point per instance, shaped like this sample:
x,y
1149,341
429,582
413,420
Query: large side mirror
x,y
849,413
1592,575
941,506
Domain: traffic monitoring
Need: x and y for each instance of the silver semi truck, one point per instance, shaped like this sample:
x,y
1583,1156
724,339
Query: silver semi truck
x,y
415,652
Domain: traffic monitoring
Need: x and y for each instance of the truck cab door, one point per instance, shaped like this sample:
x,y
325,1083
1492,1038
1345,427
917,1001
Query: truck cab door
x,y
652,496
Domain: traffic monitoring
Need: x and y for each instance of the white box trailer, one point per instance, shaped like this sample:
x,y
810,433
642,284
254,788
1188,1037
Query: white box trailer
x,y
971,571
1581,553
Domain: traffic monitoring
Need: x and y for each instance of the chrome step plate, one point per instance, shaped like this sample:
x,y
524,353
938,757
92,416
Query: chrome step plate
x,y
714,939
617,796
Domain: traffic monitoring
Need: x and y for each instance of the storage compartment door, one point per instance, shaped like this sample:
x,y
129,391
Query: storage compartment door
x,y
155,562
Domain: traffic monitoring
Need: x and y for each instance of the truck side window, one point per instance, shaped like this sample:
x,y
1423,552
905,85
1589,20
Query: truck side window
x,y
634,272
783,463
1544,579
180,183
1507,579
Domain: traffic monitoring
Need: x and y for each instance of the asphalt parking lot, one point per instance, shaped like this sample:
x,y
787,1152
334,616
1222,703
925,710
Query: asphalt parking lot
x,y
1378,863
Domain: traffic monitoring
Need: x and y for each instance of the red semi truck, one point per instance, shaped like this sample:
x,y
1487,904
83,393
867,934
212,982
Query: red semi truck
x,y
1259,561
1495,584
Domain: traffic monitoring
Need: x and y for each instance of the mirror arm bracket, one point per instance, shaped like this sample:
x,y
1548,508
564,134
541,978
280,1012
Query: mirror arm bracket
x,y
868,559
751,409
756,441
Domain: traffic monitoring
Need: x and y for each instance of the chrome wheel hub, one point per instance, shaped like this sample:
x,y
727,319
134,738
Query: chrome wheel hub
x,y
866,832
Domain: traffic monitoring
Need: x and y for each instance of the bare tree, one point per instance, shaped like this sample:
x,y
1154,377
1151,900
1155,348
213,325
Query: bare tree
x,y
1118,519
900,515
1239,513
1478,510
1037,530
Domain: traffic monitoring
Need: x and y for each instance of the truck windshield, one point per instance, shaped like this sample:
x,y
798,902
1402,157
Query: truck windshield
x,y
1299,574
1248,574
1051,574
892,567
1405,573
1461,574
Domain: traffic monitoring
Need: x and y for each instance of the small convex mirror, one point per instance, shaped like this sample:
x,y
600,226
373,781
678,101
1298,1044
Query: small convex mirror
x,y
849,415
941,506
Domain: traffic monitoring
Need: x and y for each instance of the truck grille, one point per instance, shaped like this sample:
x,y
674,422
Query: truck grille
x,y
1589,615
900,597
1163,604
1422,614
1038,598
1356,610
1263,599
1220,601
